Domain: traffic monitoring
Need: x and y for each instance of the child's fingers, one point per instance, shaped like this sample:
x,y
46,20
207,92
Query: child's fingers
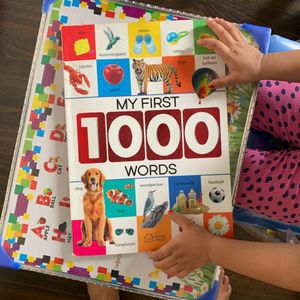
x,y
173,270
231,29
182,273
221,32
222,82
216,45
163,252
179,219
166,263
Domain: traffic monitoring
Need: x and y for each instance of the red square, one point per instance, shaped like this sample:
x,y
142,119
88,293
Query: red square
x,y
51,99
24,228
33,115
202,132
33,185
110,14
6,245
188,288
50,32
102,270
127,141
78,42
23,162
58,261
164,137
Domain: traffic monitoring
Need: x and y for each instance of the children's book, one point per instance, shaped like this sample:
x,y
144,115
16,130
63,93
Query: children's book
x,y
146,134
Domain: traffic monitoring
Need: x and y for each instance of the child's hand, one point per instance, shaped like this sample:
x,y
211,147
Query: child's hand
x,y
242,60
185,252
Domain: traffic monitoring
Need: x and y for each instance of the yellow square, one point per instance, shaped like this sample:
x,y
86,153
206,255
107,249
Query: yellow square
x,y
160,286
29,197
29,177
122,16
144,39
90,268
128,279
26,215
163,17
104,7
53,86
15,254
18,234
48,45
21,175
50,265
43,104
83,4
107,277
9,233
36,102
30,259
70,264
42,125
35,157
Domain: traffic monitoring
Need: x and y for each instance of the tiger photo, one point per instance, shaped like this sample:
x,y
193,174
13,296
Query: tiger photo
x,y
153,73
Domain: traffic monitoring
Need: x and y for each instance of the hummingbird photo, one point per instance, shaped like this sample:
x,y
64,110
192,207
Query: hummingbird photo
x,y
112,40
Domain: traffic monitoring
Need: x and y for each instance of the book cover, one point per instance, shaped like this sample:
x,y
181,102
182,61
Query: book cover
x,y
145,134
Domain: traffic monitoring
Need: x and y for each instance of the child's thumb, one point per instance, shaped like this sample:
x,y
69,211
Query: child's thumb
x,y
178,218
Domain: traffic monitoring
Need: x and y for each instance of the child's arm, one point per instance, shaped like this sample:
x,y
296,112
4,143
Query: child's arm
x,y
274,263
246,63
277,264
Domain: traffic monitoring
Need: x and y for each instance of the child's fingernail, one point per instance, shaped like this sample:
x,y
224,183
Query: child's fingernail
x,y
170,211
212,86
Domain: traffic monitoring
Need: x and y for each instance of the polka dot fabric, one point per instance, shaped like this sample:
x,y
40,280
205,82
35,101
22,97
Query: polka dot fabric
x,y
277,110
270,180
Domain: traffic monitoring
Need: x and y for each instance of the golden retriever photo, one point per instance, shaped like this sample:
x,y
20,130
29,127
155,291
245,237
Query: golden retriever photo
x,y
95,226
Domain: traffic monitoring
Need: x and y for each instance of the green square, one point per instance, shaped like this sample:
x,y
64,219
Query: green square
x,y
25,183
54,15
39,89
200,27
52,53
57,3
100,277
19,189
27,144
30,132
45,59
12,219
16,227
156,15
43,97
111,6
57,268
